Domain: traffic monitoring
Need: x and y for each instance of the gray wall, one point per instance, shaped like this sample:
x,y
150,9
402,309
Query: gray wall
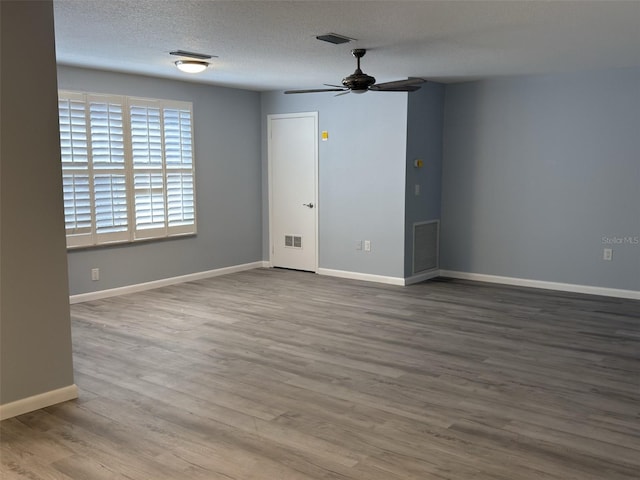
x,y
537,170
424,141
361,177
35,332
228,185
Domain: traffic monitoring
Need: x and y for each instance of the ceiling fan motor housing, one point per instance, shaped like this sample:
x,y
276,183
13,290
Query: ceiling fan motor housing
x,y
358,81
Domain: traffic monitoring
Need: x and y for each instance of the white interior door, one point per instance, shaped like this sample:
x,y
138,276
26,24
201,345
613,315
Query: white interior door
x,y
293,197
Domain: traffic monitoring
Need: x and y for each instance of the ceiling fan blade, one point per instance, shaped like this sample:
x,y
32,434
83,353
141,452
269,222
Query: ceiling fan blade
x,y
410,88
317,90
391,86
337,86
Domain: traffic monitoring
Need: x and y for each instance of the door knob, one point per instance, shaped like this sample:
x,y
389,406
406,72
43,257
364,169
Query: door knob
x,y
310,205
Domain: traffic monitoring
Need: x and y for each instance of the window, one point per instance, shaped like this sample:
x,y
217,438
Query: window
x,y
127,168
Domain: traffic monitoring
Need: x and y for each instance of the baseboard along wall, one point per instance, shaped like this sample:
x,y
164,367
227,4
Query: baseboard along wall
x,y
140,287
36,402
367,277
524,282
521,282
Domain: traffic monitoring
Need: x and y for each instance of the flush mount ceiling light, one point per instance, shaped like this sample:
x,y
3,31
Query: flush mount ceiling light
x,y
191,66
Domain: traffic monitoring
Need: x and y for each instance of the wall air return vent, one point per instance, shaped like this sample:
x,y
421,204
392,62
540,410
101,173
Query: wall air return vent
x,y
425,246
293,241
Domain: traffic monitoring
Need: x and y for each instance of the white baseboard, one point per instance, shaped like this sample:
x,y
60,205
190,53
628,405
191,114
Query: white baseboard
x,y
367,277
421,277
140,287
523,282
36,402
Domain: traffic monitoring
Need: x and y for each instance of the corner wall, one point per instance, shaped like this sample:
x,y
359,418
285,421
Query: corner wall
x,y
35,332
424,142
539,174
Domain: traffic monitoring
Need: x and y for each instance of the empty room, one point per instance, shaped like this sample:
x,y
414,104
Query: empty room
x,y
304,240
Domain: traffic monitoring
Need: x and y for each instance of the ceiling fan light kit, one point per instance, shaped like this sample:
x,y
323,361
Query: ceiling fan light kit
x,y
360,82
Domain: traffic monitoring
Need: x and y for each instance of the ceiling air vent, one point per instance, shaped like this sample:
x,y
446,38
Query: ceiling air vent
x,y
334,38
184,53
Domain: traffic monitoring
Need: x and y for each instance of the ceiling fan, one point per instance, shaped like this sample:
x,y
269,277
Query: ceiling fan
x,y
359,82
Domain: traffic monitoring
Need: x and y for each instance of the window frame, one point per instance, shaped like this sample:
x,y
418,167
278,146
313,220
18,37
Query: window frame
x,y
173,116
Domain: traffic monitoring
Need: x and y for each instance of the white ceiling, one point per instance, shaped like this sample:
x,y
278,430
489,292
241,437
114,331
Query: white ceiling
x,y
271,45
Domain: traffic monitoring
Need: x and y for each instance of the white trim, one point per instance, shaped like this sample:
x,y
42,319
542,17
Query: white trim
x,y
277,116
140,287
564,287
367,277
421,277
36,402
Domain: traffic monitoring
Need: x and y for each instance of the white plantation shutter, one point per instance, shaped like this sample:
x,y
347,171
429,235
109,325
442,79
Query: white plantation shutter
x,y
128,170
148,168
161,139
77,203
146,134
110,203
107,135
75,170
149,201
180,199
179,166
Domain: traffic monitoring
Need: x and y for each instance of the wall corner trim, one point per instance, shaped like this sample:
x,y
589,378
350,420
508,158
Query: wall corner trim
x,y
367,277
140,287
36,402
563,287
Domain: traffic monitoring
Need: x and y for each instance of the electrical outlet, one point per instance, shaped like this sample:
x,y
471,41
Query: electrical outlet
x,y
95,274
359,245
416,189
607,254
367,245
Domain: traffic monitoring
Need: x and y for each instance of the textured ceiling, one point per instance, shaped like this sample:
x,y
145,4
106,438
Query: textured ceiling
x,y
267,45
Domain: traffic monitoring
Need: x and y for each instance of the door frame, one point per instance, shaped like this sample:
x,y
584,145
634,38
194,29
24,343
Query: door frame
x,y
278,116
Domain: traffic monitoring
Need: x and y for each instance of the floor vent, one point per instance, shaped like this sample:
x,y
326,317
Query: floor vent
x,y
425,246
293,241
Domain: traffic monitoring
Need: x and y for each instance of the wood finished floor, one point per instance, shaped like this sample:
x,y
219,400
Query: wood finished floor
x,y
283,375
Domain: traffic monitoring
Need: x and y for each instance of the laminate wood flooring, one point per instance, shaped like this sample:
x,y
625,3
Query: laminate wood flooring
x,y
284,375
